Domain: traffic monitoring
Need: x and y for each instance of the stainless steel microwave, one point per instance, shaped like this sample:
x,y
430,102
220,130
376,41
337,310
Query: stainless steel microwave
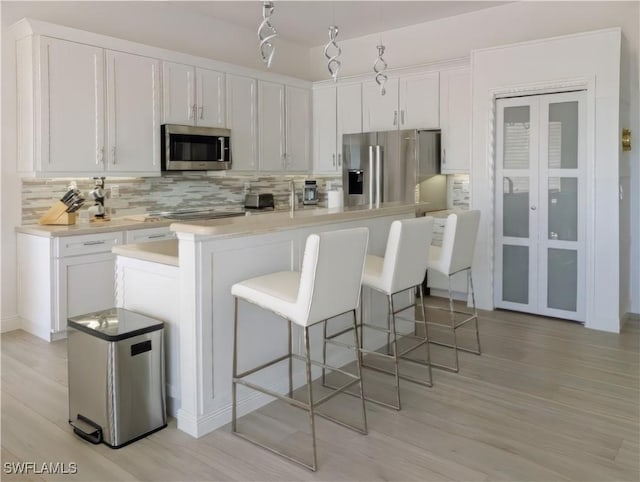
x,y
189,148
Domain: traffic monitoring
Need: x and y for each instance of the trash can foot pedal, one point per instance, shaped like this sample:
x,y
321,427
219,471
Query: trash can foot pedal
x,y
88,430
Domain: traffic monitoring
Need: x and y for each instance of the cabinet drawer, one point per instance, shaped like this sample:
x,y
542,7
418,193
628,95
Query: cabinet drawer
x,y
146,235
87,244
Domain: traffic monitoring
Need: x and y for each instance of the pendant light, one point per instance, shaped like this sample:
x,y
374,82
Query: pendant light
x,y
333,64
380,65
266,33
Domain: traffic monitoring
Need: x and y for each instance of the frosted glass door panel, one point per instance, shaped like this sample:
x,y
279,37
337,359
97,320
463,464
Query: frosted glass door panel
x,y
563,208
563,135
515,199
516,137
515,274
562,279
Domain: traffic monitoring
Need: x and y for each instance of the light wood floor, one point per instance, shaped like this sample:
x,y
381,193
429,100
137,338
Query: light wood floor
x,y
548,400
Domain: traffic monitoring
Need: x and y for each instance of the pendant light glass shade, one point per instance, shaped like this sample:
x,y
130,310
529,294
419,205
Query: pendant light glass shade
x,y
266,33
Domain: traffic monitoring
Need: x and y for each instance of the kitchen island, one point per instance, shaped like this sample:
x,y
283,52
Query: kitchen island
x,y
187,283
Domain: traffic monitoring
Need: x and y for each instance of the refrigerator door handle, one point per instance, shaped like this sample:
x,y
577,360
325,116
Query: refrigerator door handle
x,y
371,174
378,176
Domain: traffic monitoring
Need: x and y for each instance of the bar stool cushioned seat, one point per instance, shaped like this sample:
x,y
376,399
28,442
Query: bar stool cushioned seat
x,y
327,285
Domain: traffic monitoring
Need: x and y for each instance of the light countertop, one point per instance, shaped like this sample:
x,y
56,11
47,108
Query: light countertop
x,y
164,252
281,221
115,224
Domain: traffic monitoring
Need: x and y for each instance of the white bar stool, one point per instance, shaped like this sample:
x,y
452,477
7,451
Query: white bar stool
x,y
455,256
402,268
328,285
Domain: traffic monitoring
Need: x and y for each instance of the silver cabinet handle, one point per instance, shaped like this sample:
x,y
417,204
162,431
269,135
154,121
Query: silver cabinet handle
x,y
154,236
222,147
402,116
533,208
444,156
113,155
192,114
201,112
395,117
334,160
339,160
92,243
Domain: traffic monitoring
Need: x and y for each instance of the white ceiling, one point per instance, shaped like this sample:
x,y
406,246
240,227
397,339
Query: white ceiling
x,y
306,22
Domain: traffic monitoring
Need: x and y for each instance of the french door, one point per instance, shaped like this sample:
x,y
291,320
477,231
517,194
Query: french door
x,y
540,205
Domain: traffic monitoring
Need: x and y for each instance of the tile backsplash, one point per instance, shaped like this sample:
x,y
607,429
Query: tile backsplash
x,y
167,193
458,191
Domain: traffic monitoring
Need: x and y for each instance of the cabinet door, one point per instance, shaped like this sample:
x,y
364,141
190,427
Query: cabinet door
x,y
349,99
379,112
133,100
271,126
349,110
85,284
298,133
72,130
178,94
210,98
324,130
455,117
420,102
242,119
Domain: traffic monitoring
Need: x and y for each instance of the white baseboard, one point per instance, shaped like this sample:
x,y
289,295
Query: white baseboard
x,y
10,323
629,317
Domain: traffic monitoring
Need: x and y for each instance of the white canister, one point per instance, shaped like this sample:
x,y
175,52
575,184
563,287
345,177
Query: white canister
x,y
335,199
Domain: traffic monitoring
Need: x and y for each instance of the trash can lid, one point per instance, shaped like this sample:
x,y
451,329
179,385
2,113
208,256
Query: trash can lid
x,y
115,324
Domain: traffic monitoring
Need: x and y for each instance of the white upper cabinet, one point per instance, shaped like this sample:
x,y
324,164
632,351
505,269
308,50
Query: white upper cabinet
x,y
337,110
133,108
349,109
455,109
71,127
284,127
298,133
379,112
193,96
242,119
411,102
80,118
325,155
419,102
271,126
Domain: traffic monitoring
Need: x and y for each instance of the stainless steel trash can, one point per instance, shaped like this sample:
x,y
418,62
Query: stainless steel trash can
x,y
116,376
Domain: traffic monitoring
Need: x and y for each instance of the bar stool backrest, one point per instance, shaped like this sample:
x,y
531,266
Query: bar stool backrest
x,y
407,253
331,274
459,241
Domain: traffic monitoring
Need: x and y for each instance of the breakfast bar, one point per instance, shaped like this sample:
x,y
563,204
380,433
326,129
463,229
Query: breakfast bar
x,y
186,283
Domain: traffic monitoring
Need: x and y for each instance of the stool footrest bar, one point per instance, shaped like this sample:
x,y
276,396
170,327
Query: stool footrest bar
x,y
262,367
284,398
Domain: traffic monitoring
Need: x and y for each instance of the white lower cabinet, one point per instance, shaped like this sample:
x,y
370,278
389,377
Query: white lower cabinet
x,y
65,276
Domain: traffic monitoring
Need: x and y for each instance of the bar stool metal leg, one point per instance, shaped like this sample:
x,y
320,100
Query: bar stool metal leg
x,y
359,372
395,351
475,312
234,385
310,396
290,341
426,331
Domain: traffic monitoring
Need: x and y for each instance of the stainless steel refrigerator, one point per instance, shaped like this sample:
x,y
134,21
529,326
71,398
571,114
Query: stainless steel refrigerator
x,y
393,166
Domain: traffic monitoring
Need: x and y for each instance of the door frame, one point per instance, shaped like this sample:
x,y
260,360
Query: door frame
x,y
587,84
538,173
